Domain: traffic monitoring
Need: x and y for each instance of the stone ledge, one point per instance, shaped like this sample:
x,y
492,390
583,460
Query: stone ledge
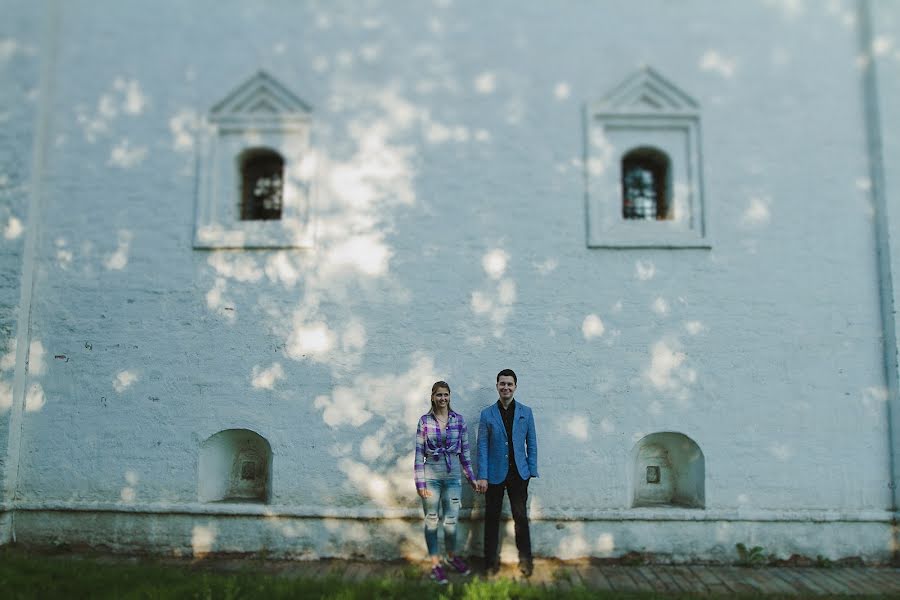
x,y
634,514
327,537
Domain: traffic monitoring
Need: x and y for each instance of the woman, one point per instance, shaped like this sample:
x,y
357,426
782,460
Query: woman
x,y
442,454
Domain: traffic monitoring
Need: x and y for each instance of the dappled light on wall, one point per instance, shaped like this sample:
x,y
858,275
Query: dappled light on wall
x,y
397,399
34,398
124,380
718,63
495,301
267,378
203,538
129,492
592,327
669,371
758,212
574,545
118,260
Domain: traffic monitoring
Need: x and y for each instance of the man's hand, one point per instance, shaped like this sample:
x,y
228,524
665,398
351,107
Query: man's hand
x,y
481,486
424,493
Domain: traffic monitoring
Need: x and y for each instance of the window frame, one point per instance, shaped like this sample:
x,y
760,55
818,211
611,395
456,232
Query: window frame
x,y
644,111
259,113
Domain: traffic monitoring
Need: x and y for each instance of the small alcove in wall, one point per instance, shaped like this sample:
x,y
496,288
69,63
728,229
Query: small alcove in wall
x,y
235,466
669,470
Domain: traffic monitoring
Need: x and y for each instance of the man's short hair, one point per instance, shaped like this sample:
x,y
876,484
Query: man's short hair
x,y
508,373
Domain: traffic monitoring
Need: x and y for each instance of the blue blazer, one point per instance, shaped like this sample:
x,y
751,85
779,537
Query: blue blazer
x,y
493,460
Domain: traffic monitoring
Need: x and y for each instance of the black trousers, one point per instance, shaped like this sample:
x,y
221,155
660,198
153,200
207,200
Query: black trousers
x,y
517,489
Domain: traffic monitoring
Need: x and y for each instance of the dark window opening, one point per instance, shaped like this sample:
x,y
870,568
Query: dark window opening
x,y
262,177
645,185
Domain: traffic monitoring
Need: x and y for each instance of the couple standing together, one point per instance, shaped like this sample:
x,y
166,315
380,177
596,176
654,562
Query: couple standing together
x,y
507,460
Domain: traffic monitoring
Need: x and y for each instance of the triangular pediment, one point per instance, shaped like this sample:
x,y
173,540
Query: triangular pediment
x,y
260,96
650,102
647,92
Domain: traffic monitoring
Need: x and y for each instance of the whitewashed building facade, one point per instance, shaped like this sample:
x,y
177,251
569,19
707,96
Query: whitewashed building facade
x,y
241,240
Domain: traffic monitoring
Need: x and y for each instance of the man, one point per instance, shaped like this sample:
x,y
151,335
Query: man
x,y
507,460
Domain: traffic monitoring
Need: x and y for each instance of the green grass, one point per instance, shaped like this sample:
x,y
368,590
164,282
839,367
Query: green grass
x,y
25,574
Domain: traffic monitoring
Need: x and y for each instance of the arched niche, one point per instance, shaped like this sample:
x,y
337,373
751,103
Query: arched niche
x,y
669,470
235,466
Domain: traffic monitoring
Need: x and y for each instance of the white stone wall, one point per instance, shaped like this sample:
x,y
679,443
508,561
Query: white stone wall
x,y
20,40
884,55
450,243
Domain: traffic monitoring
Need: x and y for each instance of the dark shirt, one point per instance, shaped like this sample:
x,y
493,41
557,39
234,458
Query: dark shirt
x,y
509,414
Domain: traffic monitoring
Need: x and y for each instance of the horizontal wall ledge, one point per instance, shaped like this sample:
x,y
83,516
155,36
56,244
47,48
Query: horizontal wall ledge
x,y
382,538
379,513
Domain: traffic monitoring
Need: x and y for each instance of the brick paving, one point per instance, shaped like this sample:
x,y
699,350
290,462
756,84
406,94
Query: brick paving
x,y
695,580
721,581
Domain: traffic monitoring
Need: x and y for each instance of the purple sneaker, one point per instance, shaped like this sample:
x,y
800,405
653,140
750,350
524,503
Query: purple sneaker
x,y
437,573
460,565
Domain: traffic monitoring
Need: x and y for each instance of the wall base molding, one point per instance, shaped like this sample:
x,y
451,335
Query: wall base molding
x,y
653,513
6,526
186,530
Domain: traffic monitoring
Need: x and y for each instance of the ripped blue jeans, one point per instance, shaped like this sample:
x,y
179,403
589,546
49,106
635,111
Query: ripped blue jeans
x,y
445,498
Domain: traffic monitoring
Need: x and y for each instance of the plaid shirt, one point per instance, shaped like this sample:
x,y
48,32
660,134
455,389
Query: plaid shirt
x,y
429,444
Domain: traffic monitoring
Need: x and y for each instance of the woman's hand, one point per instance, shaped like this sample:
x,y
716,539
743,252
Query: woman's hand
x,y
424,493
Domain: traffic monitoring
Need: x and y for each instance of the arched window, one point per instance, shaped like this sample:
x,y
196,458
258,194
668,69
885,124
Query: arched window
x,y
262,177
645,185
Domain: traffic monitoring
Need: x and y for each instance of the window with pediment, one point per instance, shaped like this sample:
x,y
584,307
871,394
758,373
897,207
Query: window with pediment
x,y
644,167
256,175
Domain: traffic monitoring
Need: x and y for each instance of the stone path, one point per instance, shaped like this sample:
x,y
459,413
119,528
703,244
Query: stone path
x,y
691,580
683,579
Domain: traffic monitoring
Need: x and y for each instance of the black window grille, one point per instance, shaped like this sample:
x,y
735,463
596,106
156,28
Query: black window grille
x,y
262,184
645,185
